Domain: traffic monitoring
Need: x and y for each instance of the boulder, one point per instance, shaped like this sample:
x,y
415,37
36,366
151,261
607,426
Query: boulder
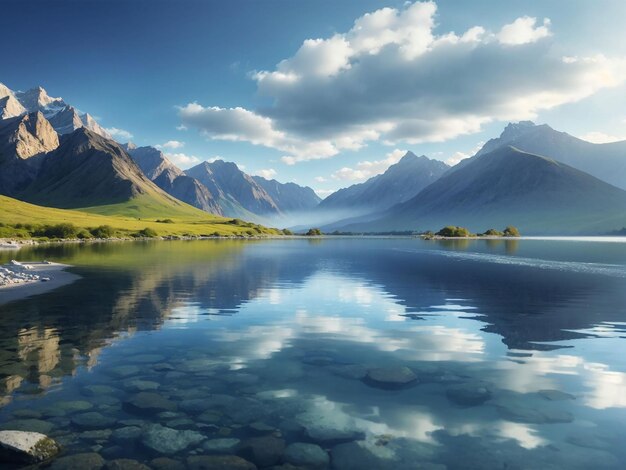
x,y
26,447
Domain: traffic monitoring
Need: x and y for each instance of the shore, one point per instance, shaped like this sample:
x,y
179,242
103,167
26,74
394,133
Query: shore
x,y
19,282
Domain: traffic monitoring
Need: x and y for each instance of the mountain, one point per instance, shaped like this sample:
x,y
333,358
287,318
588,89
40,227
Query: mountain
x,y
237,193
508,186
167,176
23,141
399,183
9,105
289,197
604,161
67,120
37,99
93,173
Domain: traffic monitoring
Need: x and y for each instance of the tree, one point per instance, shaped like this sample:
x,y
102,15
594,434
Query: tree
x,y
511,231
313,232
492,232
454,231
103,231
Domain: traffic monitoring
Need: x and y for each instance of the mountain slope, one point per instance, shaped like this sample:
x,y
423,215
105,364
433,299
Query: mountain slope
x,y
508,186
289,197
90,172
23,141
399,183
167,176
604,161
237,193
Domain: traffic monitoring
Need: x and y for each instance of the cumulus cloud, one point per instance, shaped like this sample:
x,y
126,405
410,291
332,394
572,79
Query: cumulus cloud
x,y
392,78
601,138
268,173
119,134
171,144
368,168
181,160
524,31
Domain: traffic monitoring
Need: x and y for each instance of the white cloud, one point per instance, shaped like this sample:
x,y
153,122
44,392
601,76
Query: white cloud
x,y
368,168
456,157
181,160
392,78
320,179
182,127
601,138
172,144
323,193
268,173
523,31
119,134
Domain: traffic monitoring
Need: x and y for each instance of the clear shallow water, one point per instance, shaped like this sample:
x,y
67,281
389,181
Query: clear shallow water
x,y
270,343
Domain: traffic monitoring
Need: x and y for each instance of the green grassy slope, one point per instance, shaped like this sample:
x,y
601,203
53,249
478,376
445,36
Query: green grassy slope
x,y
17,219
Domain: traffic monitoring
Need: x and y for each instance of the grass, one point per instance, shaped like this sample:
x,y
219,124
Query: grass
x,y
19,219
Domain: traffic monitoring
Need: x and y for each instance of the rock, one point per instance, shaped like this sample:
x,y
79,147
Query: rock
x,y
149,403
74,406
137,385
97,435
219,462
196,405
126,464
181,423
263,451
259,427
556,395
27,414
87,461
123,371
210,417
126,434
525,414
93,390
26,447
31,425
328,428
165,463
469,393
353,456
307,455
390,377
93,420
221,446
169,441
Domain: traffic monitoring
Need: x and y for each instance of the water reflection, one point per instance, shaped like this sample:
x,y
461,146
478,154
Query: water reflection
x,y
291,329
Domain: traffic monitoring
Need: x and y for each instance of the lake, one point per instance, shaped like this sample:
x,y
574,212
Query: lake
x,y
385,353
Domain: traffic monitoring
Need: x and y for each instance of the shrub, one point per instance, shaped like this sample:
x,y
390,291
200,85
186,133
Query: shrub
x,y
492,232
165,221
286,231
103,231
64,230
454,231
83,234
148,233
313,232
511,231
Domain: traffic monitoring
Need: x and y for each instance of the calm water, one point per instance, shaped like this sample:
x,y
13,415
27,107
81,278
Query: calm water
x,y
518,349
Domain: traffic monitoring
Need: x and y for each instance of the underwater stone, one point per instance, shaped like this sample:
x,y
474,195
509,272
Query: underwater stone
x,y
92,420
263,451
86,461
469,394
219,462
390,377
169,441
307,455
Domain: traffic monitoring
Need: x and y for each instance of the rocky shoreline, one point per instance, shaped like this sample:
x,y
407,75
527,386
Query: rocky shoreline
x,y
23,279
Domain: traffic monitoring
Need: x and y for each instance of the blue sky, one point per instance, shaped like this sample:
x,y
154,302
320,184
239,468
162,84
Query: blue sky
x,y
347,99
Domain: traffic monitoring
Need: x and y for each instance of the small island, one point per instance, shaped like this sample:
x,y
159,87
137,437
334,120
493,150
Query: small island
x,y
453,231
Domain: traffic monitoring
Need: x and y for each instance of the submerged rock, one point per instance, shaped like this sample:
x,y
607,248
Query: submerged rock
x,y
328,427
126,434
74,406
165,463
169,441
219,462
221,446
469,394
93,390
126,464
123,371
92,420
26,447
86,461
307,455
149,403
138,385
390,377
30,425
263,451
349,371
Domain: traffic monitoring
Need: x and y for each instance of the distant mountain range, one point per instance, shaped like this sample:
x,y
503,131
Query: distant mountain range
x,y
507,186
531,176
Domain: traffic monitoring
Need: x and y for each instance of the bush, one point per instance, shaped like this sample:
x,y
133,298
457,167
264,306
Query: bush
x,y
147,232
165,221
313,232
286,231
103,231
65,230
236,222
492,232
83,234
511,231
454,231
